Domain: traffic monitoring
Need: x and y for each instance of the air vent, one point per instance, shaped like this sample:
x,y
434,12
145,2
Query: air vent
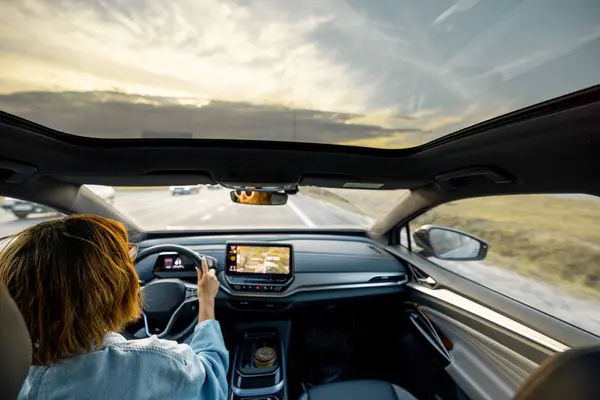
x,y
376,250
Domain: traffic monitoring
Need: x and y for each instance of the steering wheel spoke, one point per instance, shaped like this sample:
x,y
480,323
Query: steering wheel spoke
x,y
158,328
165,300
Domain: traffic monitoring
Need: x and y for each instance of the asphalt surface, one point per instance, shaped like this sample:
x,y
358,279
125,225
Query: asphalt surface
x,y
159,210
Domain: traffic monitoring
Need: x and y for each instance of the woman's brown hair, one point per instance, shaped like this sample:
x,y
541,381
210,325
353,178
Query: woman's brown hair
x,y
73,280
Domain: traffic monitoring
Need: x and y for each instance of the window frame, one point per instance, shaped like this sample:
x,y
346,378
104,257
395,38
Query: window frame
x,y
417,271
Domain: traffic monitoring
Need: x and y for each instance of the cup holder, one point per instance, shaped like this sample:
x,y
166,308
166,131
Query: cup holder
x,y
258,374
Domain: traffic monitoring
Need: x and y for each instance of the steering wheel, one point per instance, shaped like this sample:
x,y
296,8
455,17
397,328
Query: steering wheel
x,y
163,300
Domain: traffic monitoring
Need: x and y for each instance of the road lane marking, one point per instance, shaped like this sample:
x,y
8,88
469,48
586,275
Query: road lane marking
x,y
301,214
207,216
176,214
153,205
220,208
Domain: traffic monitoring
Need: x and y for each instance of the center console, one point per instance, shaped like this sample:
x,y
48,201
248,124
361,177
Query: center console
x,y
259,267
259,365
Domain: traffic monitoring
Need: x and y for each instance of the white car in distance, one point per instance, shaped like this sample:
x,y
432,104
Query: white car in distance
x,y
186,189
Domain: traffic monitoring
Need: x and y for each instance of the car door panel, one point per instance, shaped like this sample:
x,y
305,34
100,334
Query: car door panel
x,y
543,323
487,360
482,367
493,349
523,339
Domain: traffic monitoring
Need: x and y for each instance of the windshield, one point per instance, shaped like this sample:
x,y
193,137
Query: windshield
x,y
209,207
374,73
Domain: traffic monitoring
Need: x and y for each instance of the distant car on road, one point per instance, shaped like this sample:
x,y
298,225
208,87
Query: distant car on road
x,y
188,189
213,187
23,208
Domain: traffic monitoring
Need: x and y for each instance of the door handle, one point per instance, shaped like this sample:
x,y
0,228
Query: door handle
x,y
427,281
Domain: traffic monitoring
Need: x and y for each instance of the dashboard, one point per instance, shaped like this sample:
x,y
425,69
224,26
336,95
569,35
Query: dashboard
x,y
274,272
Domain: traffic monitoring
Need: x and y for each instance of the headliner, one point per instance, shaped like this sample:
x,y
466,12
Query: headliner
x,y
564,126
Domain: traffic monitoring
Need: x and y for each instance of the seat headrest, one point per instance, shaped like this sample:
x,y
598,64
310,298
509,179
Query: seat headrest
x,y
15,347
574,374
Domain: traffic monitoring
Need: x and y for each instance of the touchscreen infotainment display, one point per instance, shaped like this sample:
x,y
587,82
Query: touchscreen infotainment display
x,y
257,259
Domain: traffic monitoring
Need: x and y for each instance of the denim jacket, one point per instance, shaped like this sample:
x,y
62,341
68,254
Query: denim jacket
x,y
149,368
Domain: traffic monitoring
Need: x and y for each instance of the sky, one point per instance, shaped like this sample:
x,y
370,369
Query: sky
x,y
377,73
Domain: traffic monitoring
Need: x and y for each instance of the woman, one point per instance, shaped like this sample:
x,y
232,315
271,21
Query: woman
x,y
75,284
255,198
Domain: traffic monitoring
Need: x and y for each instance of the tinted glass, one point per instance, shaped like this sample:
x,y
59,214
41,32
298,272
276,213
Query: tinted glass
x,y
544,250
375,73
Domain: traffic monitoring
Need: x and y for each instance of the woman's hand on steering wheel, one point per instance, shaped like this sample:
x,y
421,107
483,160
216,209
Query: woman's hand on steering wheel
x,y
208,287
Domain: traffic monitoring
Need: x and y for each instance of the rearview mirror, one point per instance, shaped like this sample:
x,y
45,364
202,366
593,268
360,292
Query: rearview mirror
x,y
449,244
258,198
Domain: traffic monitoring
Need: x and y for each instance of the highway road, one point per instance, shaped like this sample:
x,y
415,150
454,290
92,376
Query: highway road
x,y
159,210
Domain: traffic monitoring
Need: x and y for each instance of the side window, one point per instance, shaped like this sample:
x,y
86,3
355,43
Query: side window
x,y
544,250
404,236
17,215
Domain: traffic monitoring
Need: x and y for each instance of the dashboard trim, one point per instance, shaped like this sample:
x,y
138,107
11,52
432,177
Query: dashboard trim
x,y
365,285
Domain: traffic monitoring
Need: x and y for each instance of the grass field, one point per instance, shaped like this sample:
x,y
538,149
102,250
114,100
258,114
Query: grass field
x,y
371,203
551,238
555,239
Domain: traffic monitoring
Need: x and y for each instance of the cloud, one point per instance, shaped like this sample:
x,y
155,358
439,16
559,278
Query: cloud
x,y
207,49
115,115
459,6
355,67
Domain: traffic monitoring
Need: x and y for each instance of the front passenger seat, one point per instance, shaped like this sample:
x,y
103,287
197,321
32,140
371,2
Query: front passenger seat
x,y
358,390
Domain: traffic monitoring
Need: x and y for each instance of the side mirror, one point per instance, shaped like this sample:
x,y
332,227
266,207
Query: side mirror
x,y
258,198
449,244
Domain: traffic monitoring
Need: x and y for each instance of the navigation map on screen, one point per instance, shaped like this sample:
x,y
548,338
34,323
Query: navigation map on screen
x,y
259,259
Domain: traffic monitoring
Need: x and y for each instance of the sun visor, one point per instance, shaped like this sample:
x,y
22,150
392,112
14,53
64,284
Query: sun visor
x,y
352,182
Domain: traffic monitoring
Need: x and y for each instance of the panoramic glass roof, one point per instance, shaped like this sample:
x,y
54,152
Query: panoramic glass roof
x,y
375,73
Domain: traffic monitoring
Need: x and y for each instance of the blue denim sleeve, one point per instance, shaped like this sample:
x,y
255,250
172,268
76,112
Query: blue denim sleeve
x,y
207,362
144,368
